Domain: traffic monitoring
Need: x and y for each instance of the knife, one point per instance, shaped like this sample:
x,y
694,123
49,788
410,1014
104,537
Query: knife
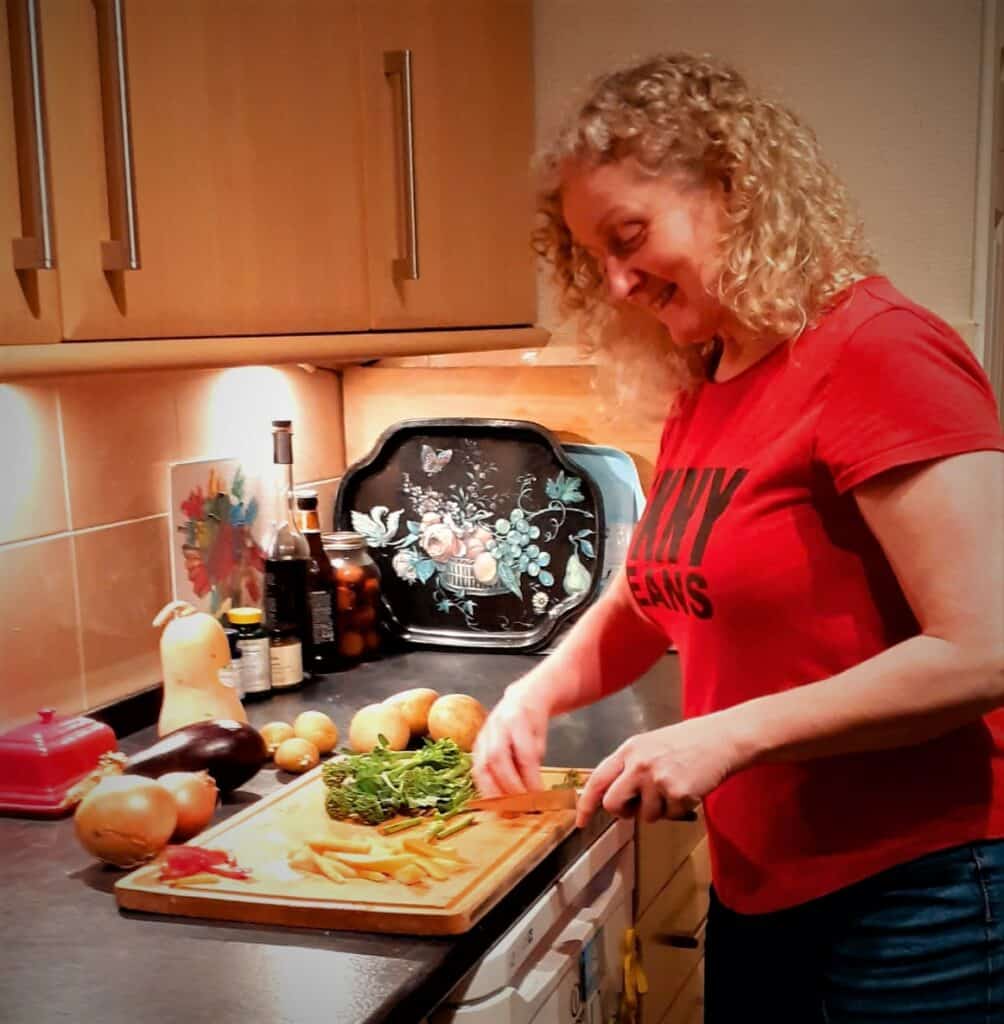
x,y
532,802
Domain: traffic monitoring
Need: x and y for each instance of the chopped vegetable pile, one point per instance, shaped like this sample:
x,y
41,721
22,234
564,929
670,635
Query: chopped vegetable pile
x,y
410,860
373,787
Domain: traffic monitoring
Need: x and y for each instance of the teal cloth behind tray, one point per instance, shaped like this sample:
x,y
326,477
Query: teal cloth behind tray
x,y
615,474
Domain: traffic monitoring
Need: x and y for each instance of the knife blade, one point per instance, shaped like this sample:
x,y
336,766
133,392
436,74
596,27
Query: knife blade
x,y
532,802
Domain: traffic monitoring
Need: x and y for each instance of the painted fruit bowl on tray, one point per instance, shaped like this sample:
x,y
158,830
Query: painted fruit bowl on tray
x,y
485,533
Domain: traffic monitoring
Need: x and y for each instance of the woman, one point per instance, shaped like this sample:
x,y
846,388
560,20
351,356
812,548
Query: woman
x,y
823,543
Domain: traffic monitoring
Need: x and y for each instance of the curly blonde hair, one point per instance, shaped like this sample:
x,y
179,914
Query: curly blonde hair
x,y
791,240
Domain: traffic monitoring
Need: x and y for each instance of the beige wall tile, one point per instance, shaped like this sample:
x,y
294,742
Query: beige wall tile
x,y
38,632
124,574
559,398
229,413
120,432
32,495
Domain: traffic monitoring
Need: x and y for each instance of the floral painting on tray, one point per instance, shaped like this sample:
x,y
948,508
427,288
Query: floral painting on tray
x,y
488,535
216,558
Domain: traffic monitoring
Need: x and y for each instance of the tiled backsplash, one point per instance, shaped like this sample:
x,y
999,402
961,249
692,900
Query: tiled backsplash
x,y
560,397
84,563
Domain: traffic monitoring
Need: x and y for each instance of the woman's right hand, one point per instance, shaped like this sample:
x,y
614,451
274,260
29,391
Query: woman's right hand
x,y
510,746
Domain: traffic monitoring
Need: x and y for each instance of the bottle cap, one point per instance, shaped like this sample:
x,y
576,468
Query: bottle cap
x,y
244,616
343,540
307,500
282,424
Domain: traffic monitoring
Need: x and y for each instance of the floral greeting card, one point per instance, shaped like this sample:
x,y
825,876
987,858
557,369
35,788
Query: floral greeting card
x,y
216,558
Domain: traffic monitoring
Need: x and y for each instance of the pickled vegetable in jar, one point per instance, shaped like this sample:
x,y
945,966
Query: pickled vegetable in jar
x,y
357,596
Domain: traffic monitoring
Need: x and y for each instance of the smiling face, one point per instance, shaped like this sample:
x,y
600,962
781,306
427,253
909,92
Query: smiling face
x,y
656,241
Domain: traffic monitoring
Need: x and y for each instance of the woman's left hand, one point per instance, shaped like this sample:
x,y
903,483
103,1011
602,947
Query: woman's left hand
x,y
664,773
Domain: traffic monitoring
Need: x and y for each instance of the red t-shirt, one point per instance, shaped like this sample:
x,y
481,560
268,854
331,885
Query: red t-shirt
x,y
754,559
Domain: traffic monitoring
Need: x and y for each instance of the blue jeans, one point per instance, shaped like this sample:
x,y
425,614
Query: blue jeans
x,y
921,943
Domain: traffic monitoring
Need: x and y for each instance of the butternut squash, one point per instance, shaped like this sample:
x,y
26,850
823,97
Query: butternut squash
x,y
193,649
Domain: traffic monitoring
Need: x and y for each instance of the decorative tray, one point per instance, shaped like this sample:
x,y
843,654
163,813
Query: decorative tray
x,y
486,534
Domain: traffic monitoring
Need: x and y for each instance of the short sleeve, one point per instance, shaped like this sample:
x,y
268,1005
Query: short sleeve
x,y
904,389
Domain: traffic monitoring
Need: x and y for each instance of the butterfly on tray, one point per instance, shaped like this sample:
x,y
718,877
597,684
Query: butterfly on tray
x,y
434,461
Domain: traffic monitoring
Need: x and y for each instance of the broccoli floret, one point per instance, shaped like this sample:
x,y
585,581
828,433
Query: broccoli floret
x,y
375,786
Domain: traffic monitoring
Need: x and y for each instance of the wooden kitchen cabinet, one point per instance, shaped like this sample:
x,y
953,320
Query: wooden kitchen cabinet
x,y
246,152
688,1006
236,169
29,296
673,875
471,92
661,847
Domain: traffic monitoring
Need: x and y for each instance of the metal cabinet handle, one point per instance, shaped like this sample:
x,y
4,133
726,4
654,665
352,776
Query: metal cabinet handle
x,y
35,253
398,62
119,254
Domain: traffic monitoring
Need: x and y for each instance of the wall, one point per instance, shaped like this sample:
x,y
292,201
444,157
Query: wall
x,y
84,563
891,88
559,397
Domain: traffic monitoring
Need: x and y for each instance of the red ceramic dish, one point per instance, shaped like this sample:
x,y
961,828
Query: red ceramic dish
x,y
40,762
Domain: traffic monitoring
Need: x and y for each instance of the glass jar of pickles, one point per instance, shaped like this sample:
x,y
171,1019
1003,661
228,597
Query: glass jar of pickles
x,y
357,594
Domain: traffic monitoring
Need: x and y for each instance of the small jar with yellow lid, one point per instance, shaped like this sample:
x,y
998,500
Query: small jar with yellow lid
x,y
252,642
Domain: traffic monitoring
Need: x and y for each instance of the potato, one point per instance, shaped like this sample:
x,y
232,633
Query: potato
x,y
274,733
297,755
459,717
375,719
414,705
317,727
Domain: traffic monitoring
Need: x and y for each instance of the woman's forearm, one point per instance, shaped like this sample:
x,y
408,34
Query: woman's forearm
x,y
607,649
917,690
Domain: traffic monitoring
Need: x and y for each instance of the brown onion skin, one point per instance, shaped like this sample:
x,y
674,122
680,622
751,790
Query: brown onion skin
x,y
125,820
195,795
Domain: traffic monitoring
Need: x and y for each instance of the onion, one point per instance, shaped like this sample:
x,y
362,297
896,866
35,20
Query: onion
x,y
195,796
125,820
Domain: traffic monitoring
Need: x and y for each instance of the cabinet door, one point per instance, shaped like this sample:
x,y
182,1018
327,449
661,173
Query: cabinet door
x,y
246,165
29,297
472,106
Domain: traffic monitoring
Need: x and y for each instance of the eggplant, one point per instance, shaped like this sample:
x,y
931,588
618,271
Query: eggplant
x,y
232,752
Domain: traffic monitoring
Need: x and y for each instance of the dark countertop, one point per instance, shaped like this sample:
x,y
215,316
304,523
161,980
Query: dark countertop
x,y
71,955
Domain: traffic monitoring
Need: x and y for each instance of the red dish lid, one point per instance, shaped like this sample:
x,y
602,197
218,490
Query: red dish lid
x,y
40,762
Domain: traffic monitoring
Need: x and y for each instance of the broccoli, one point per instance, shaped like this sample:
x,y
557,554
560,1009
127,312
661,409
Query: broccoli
x,y
436,779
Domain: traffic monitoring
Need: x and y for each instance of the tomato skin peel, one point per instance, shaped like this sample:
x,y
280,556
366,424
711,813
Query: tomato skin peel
x,y
184,861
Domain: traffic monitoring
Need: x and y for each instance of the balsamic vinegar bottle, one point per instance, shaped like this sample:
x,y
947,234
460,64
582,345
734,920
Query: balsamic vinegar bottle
x,y
287,616
321,592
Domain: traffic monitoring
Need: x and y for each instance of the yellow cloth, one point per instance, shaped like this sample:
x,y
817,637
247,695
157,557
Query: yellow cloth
x,y
635,982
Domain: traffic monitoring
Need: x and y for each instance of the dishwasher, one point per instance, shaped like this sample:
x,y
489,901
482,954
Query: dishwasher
x,y
561,962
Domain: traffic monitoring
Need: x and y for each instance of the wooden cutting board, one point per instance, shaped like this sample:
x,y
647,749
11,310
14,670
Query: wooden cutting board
x,y
499,851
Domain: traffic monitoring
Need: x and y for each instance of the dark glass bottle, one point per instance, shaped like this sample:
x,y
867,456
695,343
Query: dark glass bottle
x,y
287,616
323,655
